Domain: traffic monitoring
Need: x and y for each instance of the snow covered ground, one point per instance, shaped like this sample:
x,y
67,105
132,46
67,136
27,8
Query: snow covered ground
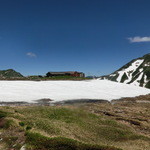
x,y
29,91
130,70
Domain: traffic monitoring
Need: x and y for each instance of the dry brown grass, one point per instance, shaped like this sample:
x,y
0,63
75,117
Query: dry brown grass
x,y
125,124
134,115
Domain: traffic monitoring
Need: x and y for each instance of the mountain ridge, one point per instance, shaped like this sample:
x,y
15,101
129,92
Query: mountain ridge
x,y
136,72
9,74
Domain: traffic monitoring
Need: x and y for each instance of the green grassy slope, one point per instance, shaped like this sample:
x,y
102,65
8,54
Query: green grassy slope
x,y
62,128
10,73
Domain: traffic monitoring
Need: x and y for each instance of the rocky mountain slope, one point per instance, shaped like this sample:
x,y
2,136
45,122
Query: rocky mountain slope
x,y
136,72
9,74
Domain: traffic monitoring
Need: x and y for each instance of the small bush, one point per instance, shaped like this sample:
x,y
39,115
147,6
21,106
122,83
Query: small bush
x,y
3,114
28,128
22,124
16,111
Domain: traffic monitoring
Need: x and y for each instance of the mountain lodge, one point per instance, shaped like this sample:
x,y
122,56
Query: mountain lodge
x,y
67,73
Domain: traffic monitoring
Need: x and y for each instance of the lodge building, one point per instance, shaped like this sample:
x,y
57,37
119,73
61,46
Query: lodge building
x,y
67,73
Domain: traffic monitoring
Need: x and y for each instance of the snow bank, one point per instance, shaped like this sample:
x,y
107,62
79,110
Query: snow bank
x,y
29,91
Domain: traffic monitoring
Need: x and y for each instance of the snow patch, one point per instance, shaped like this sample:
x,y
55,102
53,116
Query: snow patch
x,y
141,69
146,65
112,75
129,70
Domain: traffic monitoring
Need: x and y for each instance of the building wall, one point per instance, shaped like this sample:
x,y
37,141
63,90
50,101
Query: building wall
x,y
73,74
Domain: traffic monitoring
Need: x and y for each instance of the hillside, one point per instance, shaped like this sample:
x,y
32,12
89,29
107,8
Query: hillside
x,y
9,74
136,72
93,126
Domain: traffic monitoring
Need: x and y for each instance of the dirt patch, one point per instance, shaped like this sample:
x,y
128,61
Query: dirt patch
x,y
2,122
80,101
138,99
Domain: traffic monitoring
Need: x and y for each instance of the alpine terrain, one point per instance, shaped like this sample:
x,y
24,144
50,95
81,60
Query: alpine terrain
x,y
136,72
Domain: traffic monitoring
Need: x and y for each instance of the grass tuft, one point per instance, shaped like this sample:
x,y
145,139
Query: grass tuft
x,y
22,124
3,114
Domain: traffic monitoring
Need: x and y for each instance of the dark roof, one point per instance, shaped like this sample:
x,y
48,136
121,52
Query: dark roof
x,y
70,72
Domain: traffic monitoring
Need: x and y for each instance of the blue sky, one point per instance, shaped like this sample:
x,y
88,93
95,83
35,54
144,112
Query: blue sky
x,y
93,36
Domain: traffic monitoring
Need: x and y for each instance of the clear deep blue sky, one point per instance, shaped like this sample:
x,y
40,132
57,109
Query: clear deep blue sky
x,y
37,36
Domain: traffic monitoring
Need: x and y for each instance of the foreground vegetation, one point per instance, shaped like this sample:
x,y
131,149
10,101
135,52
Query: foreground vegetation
x,y
40,78
96,126
44,78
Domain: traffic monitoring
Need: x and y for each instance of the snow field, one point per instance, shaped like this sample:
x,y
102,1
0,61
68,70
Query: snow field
x,y
29,91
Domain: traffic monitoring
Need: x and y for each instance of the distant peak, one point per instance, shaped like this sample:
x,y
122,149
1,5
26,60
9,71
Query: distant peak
x,y
10,70
9,73
136,72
